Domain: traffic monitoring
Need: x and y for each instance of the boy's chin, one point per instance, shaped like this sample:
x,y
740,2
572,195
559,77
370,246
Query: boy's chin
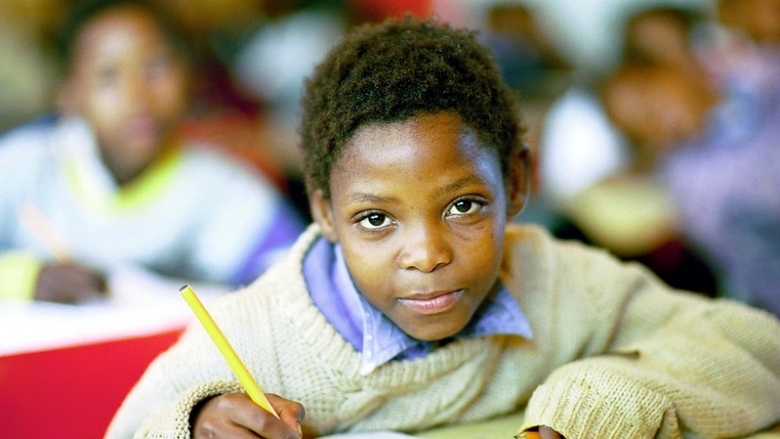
x,y
433,332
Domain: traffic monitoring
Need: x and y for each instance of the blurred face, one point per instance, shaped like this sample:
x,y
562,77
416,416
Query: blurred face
x,y
660,39
758,19
659,108
129,84
419,208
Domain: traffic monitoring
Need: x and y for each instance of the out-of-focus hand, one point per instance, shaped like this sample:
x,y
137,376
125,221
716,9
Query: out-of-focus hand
x,y
69,283
235,416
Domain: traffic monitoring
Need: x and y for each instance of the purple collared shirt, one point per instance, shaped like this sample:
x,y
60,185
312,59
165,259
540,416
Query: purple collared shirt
x,y
371,332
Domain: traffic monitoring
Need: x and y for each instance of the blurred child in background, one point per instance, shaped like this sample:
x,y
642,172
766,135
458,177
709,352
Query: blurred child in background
x,y
524,50
109,183
724,177
724,180
715,147
601,177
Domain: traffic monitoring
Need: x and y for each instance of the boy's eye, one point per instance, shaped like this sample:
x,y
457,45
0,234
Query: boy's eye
x,y
463,207
375,221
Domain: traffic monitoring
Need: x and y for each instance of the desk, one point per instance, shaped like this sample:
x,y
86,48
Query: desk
x,y
73,392
64,369
506,427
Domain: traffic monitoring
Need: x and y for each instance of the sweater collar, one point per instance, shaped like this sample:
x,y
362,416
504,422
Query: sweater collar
x,y
91,179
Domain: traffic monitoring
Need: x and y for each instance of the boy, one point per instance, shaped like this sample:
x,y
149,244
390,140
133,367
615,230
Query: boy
x,y
113,177
412,302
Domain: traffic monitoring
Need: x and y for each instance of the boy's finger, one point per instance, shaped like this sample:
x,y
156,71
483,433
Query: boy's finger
x,y
290,412
231,431
256,419
548,433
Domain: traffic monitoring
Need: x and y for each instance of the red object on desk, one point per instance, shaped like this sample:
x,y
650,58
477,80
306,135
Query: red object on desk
x,y
73,392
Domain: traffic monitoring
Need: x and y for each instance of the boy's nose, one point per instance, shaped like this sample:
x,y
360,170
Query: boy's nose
x,y
426,249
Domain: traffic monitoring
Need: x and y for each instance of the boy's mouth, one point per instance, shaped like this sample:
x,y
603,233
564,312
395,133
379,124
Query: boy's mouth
x,y
432,303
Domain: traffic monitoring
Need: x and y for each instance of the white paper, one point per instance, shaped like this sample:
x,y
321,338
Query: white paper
x,y
140,303
369,435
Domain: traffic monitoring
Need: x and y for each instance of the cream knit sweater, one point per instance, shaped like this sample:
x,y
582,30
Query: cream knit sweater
x,y
614,354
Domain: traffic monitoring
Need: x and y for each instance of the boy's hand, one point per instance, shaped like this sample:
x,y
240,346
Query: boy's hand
x,y
235,415
68,283
543,433
548,433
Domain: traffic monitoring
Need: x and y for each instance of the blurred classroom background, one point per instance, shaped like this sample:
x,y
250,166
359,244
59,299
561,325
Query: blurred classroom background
x,y
598,178
252,56
584,35
627,123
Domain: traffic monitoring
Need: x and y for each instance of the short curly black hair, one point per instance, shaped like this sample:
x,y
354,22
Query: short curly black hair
x,y
394,70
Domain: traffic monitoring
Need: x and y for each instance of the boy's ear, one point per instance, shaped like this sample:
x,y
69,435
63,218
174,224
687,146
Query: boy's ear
x,y
322,212
519,182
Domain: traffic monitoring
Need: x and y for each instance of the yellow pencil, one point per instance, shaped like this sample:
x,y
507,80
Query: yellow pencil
x,y
249,383
46,232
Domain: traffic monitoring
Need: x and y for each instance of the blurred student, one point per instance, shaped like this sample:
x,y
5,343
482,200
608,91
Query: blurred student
x,y
727,196
600,178
665,35
720,172
108,183
414,302
523,48
757,22
580,144
743,59
718,140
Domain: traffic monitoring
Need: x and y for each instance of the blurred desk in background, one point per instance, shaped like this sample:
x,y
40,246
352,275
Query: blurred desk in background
x,y
65,369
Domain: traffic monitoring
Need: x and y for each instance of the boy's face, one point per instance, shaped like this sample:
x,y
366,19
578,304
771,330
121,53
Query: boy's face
x,y
419,208
129,84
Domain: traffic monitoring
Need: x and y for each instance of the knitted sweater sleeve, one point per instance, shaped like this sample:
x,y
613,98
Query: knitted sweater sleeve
x,y
192,370
649,361
160,405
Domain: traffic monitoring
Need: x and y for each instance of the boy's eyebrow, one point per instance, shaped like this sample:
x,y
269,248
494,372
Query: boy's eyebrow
x,y
365,197
459,184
